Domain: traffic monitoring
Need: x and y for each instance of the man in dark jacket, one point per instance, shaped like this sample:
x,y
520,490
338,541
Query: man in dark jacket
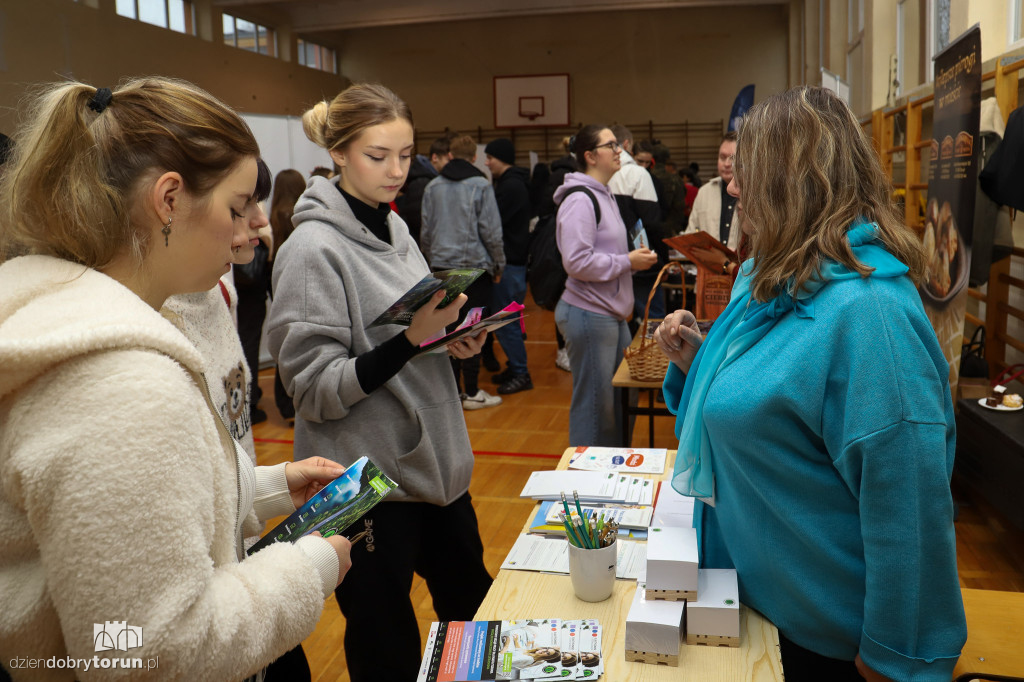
x,y
512,190
421,171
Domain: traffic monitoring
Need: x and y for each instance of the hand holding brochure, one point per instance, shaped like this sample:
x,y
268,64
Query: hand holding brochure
x,y
454,282
332,510
473,325
638,236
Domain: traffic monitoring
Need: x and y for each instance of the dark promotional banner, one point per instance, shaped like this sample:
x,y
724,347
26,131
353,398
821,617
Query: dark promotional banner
x,y
952,180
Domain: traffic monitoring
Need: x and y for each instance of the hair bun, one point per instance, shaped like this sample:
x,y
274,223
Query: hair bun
x,y
314,124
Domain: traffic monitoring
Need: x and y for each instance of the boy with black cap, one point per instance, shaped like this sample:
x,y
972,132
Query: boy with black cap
x,y
512,190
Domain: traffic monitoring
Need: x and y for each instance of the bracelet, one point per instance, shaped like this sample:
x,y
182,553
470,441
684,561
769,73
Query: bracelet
x,y
725,266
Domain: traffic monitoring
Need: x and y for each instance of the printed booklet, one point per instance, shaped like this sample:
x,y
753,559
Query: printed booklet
x,y
454,282
332,510
551,649
472,325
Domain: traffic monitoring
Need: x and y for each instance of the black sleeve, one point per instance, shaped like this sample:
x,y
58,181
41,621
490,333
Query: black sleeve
x,y
374,368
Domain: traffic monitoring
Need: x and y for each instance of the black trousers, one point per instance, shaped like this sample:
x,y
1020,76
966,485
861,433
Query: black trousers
x,y
441,544
800,665
252,310
467,372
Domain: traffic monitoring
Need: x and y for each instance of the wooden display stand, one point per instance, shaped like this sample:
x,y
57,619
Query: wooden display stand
x,y
713,289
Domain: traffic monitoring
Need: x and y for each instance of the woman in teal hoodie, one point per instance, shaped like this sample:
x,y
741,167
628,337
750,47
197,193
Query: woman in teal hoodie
x,y
815,421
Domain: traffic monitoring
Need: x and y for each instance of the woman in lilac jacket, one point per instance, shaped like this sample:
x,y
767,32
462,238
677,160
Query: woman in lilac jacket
x,y
598,297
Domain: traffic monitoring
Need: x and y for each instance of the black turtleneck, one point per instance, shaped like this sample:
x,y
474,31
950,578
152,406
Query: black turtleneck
x,y
374,218
375,367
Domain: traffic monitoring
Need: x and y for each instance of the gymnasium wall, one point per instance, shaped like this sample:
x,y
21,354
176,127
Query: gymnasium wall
x,y
626,67
47,40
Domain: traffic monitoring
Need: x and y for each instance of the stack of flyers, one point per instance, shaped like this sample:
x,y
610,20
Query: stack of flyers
x,y
332,510
549,649
581,651
633,516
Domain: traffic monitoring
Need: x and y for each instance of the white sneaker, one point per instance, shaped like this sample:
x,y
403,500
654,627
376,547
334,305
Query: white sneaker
x,y
562,360
479,401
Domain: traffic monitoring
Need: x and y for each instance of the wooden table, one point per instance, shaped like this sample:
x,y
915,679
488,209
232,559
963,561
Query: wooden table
x,y
623,381
525,594
995,621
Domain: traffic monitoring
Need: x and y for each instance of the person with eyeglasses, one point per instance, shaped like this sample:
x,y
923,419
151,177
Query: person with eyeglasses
x,y
598,299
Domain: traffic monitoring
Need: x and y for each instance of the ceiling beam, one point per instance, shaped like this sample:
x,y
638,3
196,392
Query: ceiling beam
x,y
313,16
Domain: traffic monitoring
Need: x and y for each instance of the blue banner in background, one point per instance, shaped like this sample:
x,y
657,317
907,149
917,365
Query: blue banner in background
x,y
743,102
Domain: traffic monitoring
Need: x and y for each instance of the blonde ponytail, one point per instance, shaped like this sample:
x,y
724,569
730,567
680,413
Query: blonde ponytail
x,y
70,187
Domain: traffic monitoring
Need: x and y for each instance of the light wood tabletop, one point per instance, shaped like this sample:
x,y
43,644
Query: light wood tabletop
x,y
526,594
995,621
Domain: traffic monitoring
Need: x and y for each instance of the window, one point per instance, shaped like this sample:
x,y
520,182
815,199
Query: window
x,y
317,57
1016,20
177,15
249,36
858,101
938,33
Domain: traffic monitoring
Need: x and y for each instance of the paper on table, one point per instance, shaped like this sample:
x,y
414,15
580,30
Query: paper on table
x,y
673,510
632,460
551,555
591,485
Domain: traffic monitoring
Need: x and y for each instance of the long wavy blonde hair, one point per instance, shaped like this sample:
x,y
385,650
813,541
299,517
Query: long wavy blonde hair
x,y
806,172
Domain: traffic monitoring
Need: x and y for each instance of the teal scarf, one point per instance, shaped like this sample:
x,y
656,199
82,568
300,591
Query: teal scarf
x,y
743,323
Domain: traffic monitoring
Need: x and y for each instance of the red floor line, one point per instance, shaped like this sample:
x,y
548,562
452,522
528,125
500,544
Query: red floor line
x,y
516,454
475,452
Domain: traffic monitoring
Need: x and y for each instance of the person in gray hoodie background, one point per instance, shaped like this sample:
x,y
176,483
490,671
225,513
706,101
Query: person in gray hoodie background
x,y
365,391
462,229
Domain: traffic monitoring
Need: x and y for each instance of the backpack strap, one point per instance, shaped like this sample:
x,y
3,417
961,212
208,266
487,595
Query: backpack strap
x,y
593,200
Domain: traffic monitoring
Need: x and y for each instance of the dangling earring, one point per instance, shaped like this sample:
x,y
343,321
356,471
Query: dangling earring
x,y
167,230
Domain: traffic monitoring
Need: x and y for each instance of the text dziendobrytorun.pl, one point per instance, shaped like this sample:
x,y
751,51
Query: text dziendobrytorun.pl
x,y
85,664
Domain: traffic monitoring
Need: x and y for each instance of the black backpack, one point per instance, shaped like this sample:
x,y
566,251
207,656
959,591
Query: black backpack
x,y
545,274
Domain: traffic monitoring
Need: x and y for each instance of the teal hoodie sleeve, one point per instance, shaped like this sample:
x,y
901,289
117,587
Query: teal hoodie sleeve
x,y
892,437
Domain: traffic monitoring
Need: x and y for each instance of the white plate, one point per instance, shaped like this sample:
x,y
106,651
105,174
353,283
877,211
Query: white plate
x,y
999,408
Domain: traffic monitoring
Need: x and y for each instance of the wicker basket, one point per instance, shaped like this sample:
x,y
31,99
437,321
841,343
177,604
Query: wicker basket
x,y
646,362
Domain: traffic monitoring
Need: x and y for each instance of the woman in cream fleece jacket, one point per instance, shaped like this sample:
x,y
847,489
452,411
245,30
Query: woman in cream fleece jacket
x,y
122,494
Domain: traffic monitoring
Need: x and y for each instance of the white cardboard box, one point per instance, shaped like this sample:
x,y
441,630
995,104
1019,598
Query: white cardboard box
x,y
654,629
714,619
671,563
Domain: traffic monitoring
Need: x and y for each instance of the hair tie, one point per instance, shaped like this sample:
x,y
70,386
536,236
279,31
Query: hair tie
x,y
101,100
572,143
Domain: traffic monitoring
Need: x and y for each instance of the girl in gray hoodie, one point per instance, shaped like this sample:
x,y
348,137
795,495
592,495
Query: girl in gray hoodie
x,y
364,391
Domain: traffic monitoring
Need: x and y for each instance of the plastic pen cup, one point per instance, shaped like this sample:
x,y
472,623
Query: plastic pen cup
x,y
592,571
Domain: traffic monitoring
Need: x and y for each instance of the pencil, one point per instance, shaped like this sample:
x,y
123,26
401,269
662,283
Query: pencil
x,y
566,505
569,532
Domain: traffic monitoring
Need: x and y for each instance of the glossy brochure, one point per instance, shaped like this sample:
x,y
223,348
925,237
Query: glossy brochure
x,y
335,508
454,282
